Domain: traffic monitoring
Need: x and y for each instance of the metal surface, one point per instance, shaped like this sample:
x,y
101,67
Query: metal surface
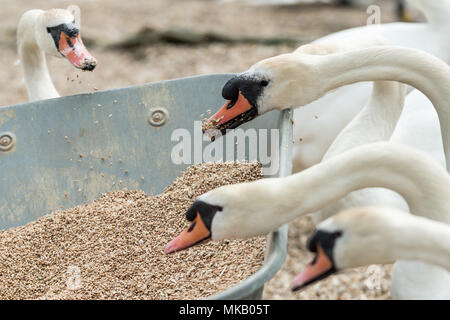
x,y
70,150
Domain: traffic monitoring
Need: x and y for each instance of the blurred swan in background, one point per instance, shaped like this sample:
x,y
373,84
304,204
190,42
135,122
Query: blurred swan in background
x,y
53,32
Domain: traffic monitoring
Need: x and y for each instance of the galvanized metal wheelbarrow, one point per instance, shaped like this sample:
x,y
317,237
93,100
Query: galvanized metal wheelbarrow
x,y
63,152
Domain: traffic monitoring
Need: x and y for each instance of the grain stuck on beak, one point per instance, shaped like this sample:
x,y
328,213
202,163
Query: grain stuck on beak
x,y
232,114
74,50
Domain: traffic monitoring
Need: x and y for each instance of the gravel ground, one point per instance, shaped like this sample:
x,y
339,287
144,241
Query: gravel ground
x,y
108,21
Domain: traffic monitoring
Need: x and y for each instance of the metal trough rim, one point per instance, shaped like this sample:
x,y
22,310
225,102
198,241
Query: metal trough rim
x,y
277,241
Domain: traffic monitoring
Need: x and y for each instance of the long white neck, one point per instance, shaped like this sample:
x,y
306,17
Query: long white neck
x,y
375,122
418,69
32,57
411,173
262,206
420,239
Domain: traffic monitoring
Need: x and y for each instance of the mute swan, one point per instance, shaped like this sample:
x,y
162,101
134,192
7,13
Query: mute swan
x,y
297,79
318,123
373,235
53,32
383,119
376,122
257,208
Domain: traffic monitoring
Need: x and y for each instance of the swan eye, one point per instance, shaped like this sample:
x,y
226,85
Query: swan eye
x,y
71,31
264,83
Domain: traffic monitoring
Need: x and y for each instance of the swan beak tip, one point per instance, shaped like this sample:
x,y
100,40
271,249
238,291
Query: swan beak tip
x,y
320,268
89,64
74,50
197,232
232,114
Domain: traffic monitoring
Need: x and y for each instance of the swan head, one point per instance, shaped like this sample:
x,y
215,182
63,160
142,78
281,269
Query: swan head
x,y
350,239
57,34
228,212
281,82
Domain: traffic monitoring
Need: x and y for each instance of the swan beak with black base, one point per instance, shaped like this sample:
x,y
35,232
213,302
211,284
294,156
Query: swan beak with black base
x,y
320,268
74,50
197,232
233,114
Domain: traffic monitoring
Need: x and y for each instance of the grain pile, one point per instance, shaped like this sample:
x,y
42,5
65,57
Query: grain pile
x,y
113,247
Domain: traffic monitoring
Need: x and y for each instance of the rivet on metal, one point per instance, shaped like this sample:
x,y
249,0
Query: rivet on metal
x,y
158,116
7,141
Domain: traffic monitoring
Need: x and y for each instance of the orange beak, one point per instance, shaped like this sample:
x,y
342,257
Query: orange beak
x,y
320,268
233,114
195,233
74,50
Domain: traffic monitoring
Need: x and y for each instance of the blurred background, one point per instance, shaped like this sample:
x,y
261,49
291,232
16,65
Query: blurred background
x,y
213,37
141,41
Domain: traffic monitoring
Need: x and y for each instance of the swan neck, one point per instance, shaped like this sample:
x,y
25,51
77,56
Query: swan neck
x,y
426,73
424,240
375,122
34,65
425,186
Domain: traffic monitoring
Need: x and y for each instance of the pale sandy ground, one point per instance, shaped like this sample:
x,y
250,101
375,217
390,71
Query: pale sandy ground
x,y
107,21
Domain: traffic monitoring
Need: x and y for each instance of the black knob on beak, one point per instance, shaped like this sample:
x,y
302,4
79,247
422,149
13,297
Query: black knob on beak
x,y
231,89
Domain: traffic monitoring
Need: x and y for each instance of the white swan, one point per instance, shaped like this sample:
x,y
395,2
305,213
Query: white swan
x,y
384,119
257,208
374,235
53,32
297,79
374,123
317,124
418,127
